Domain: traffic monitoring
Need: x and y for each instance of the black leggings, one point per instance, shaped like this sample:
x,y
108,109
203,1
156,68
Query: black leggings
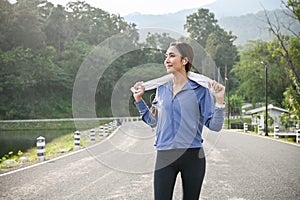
x,y
189,162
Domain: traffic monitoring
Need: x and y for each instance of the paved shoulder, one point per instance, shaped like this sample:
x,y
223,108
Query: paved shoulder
x,y
239,166
119,168
242,166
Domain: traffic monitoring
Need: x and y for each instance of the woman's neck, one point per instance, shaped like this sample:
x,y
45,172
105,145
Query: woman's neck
x,y
180,78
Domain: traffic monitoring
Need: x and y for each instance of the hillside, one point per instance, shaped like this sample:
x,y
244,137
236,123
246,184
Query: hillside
x,y
254,26
245,19
226,8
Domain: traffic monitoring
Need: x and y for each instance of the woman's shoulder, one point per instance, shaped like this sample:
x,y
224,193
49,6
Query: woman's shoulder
x,y
166,85
196,86
199,90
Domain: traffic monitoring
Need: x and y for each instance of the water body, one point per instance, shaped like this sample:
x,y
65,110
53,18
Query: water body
x,y
26,139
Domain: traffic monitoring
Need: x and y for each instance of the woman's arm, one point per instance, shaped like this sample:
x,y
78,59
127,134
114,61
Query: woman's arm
x,y
148,116
214,114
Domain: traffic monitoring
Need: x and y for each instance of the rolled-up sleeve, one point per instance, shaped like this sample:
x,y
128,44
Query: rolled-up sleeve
x,y
147,117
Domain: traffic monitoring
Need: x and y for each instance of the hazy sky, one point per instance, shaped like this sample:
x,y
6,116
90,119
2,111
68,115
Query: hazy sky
x,y
124,7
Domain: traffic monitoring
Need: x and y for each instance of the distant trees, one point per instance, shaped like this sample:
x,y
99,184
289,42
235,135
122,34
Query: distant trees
x,y
282,58
158,41
288,50
250,73
245,73
294,7
56,28
200,25
203,28
32,85
42,47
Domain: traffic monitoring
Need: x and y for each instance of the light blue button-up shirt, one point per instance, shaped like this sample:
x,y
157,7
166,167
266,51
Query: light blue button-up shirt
x,y
179,121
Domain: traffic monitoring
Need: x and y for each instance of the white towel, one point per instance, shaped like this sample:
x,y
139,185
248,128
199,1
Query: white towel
x,y
198,78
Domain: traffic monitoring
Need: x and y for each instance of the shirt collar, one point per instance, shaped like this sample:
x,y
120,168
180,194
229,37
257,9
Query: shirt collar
x,y
192,84
189,85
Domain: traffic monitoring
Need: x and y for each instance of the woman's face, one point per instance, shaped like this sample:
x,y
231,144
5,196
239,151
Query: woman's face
x,y
173,60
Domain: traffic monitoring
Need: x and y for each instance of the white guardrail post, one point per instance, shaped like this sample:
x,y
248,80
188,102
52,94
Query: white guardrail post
x,y
77,139
276,131
259,130
101,132
245,127
92,135
298,136
41,148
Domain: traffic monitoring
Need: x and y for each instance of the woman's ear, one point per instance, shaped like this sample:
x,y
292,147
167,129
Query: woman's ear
x,y
184,61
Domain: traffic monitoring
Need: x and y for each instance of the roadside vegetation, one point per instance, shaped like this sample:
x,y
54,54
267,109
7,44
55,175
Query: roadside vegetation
x,y
54,148
240,128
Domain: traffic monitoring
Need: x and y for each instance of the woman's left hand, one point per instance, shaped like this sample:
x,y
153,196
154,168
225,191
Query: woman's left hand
x,y
219,91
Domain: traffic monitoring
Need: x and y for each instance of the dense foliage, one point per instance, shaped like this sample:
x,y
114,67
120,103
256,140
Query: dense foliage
x,y
281,57
42,47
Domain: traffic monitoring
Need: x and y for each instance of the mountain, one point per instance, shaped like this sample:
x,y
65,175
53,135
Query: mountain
x,y
254,26
246,19
226,8
172,21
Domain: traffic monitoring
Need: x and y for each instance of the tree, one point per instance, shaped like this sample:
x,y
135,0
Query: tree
x,y
200,25
203,28
94,25
294,7
283,41
31,85
291,102
222,50
158,41
251,74
43,47
26,26
6,13
55,29
288,49
72,56
236,105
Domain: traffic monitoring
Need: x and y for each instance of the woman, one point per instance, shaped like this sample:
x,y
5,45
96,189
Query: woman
x,y
180,109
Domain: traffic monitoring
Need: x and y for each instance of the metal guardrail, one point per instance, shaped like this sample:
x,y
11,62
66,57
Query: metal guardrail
x,y
69,119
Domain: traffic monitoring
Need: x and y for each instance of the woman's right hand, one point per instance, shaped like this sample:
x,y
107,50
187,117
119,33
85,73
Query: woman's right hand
x,y
139,91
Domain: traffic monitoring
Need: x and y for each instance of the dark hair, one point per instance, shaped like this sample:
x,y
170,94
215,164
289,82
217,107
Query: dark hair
x,y
186,51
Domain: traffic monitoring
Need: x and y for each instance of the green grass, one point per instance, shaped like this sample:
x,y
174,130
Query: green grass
x,y
290,139
65,142
241,120
48,125
4,125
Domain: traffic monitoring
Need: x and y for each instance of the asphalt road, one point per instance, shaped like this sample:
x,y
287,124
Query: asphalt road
x,y
239,166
